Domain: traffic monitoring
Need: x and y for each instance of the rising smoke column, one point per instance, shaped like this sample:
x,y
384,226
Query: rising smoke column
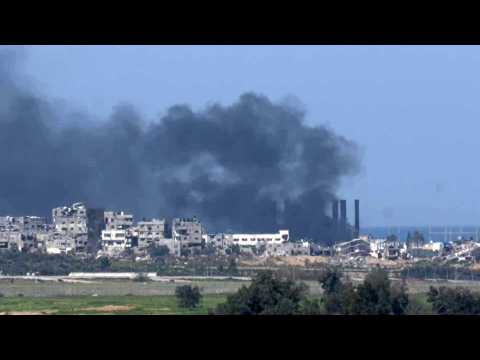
x,y
251,166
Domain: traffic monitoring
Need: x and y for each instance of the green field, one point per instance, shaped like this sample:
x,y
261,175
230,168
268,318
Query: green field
x,y
104,305
132,305
130,297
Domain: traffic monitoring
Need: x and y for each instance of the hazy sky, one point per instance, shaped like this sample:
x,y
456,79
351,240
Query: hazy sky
x,y
413,109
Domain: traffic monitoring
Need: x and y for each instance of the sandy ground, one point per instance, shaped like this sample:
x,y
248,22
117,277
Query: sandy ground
x,y
312,261
109,308
43,312
31,288
287,260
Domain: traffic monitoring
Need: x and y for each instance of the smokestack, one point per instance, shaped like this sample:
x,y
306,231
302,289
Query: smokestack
x,y
343,212
335,211
357,218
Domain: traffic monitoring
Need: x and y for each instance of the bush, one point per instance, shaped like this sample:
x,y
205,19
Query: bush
x,y
416,307
458,301
158,251
141,277
267,295
375,296
188,296
310,307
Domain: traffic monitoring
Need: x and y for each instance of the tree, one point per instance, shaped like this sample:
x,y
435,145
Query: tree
x,y
331,280
267,295
233,250
334,291
375,296
259,250
458,301
400,299
104,263
232,266
156,252
188,296
310,307
208,249
141,277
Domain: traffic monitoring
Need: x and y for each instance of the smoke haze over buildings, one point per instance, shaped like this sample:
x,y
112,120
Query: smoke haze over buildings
x,y
250,166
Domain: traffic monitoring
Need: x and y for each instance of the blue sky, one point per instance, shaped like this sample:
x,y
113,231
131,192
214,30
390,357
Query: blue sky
x,y
413,109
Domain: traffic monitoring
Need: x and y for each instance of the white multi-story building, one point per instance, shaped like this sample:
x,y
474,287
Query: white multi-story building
x,y
258,239
116,241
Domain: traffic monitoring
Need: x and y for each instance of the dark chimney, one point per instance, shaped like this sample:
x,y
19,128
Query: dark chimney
x,y
335,211
343,212
357,218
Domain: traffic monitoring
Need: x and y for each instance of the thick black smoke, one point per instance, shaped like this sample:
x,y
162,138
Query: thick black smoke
x,y
251,166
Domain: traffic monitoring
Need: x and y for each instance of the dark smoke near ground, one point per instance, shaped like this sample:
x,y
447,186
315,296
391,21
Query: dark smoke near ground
x,y
252,166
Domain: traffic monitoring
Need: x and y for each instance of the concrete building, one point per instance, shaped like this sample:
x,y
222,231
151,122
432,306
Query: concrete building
x,y
377,247
173,248
217,240
186,234
117,220
11,240
25,224
257,239
287,248
434,246
53,242
114,242
150,232
21,231
80,220
355,247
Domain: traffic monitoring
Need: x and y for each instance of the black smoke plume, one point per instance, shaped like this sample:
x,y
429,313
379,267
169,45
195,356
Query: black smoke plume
x,y
251,166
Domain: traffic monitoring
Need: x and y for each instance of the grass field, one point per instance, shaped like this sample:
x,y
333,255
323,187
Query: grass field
x,y
52,289
130,297
104,305
132,305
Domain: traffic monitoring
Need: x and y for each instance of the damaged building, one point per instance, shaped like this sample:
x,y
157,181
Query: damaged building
x,y
151,232
117,220
115,242
11,240
355,247
82,223
187,234
21,232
